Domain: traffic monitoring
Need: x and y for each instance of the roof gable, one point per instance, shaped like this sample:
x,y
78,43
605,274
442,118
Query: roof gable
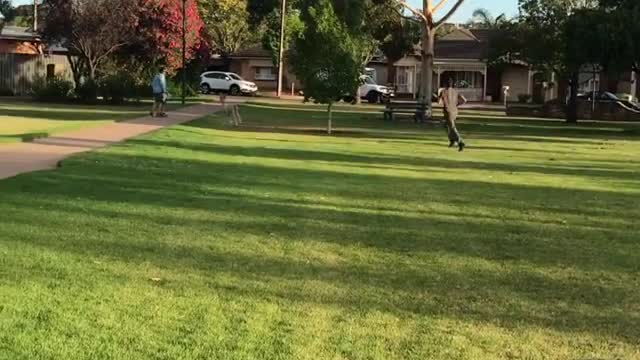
x,y
460,34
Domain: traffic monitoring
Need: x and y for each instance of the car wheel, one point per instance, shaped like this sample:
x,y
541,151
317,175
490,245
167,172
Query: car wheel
x,y
373,97
205,88
234,90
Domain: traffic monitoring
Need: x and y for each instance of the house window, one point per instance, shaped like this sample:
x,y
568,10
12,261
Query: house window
x,y
462,79
265,73
51,71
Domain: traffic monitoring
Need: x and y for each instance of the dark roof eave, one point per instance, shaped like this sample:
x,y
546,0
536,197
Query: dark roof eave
x,y
20,38
250,57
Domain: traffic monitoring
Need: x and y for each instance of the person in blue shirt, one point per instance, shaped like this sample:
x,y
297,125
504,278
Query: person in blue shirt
x,y
159,86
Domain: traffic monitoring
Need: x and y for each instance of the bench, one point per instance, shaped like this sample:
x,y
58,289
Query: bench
x,y
418,110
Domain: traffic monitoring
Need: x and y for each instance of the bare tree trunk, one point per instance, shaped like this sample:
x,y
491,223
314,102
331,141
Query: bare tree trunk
x,y
426,81
329,129
563,83
92,69
612,83
572,108
391,72
76,68
635,83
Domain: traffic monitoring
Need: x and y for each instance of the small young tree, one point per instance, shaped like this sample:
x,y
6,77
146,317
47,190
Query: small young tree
x,y
326,58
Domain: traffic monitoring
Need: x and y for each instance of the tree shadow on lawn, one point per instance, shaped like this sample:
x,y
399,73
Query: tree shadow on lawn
x,y
350,126
506,298
151,181
83,115
510,299
528,288
614,173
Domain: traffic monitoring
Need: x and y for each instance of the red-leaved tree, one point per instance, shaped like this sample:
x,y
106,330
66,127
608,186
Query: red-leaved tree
x,y
160,32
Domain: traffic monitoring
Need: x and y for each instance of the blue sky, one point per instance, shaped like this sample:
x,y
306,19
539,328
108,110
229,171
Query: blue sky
x,y
497,7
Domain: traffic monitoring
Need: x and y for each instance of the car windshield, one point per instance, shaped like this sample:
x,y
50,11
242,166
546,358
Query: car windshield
x,y
368,80
235,77
610,96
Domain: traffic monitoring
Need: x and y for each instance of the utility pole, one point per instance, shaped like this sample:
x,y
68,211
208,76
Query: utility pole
x,y
184,51
283,24
35,16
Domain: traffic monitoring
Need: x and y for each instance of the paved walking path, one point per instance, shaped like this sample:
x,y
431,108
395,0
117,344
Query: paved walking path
x,y
46,153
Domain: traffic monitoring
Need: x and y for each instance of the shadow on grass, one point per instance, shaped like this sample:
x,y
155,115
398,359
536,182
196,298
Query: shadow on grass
x,y
233,198
148,181
77,115
366,125
393,160
27,137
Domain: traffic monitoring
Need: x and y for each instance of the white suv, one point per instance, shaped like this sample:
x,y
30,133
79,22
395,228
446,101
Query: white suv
x,y
373,92
218,81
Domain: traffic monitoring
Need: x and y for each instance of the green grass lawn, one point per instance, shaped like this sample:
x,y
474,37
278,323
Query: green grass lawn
x,y
23,121
273,241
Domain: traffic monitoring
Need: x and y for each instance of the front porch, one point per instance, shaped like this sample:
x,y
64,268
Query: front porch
x,y
470,78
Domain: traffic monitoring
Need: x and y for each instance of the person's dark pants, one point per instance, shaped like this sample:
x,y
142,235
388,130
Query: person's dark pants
x,y
450,119
159,101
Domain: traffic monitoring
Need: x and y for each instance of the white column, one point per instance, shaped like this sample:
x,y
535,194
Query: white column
x,y
484,92
633,83
414,89
529,89
439,77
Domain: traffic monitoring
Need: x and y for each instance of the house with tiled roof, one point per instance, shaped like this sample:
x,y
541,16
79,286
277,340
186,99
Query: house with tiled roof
x,y
254,63
24,57
461,55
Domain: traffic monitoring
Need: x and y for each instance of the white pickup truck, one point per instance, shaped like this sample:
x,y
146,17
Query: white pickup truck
x,y
372,92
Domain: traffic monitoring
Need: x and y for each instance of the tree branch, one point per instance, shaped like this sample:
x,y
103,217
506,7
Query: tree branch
x,y
439,6
408,17
449,14
413,10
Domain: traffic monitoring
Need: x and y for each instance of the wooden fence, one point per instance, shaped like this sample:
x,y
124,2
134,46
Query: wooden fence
x,y
18,72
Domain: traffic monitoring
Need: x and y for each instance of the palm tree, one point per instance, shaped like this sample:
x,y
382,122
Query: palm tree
x,y
483,19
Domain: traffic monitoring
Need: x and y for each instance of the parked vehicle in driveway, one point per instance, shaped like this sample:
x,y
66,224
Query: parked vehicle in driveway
x,y
372,92
608,97
603,96
227,82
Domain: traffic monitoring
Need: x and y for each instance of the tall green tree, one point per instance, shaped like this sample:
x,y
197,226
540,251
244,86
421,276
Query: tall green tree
x,y
259,10
396,35
543,43
624,32
293,30
226,25
483,19
7,12
326,58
